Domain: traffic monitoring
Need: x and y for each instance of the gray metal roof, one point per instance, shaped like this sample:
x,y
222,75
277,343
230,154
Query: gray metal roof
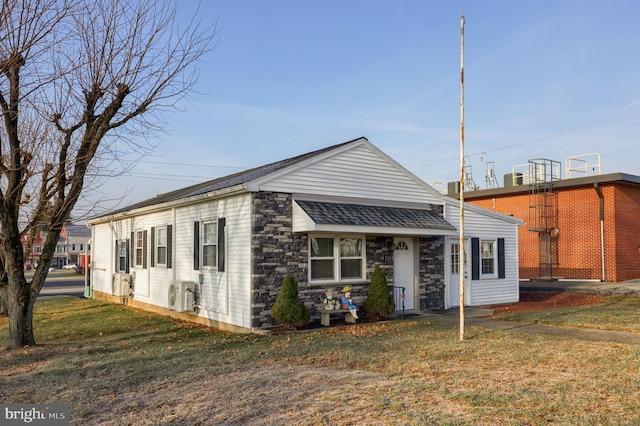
x,y
326,213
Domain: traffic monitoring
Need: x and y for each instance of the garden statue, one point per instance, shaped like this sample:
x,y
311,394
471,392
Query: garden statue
x,y
347,303
329,301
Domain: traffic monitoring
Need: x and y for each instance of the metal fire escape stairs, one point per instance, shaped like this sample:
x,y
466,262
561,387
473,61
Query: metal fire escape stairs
x,y
543,212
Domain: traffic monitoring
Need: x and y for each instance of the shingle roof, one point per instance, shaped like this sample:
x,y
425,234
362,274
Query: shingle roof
x,y
227,181
78,230
326,213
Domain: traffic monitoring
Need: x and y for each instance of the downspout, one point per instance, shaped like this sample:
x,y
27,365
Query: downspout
x,y
601,196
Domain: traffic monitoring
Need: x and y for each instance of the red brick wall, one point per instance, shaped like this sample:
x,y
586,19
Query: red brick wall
x,y
626,233
579,246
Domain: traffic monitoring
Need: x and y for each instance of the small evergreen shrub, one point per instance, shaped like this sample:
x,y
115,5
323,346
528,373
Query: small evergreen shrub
x,y
289,309
379,304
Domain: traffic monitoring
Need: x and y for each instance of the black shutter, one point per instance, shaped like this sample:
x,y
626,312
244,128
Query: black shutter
x,y
153,247
221,247
169,245
134,241
144,249
117,265
475,258
196,246
126,269
501,263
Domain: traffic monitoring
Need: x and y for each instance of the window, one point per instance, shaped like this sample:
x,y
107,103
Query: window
x,y
139,245
322,259
161,246
81,247
209,244
487,257
350,258
73,247
331,257
122,255
455,258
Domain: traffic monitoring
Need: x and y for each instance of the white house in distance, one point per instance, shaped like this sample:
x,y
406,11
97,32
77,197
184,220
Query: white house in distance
x,y
217,252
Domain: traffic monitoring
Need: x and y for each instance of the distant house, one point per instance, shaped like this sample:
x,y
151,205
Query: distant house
x,y
73,243
581,228
217,252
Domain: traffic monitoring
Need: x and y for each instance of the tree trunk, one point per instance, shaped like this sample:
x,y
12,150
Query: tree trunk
x,y
20,303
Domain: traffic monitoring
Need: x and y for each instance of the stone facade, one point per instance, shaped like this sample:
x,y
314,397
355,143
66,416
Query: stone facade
x,y
278,252
431,272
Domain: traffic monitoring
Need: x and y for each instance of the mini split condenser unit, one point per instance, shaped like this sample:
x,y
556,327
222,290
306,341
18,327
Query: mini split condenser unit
x,y
181,296
122,285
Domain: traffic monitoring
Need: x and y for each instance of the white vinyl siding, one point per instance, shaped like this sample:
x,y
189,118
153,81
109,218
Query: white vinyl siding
x,y
489,226
359,172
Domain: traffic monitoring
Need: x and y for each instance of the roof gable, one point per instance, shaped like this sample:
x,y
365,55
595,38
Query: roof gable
x,y
391,177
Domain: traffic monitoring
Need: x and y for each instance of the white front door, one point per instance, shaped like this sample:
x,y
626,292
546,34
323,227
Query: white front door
x,y
403,270
456,265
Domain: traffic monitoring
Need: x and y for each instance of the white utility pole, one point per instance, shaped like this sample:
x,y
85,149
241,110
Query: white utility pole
x,y
461,259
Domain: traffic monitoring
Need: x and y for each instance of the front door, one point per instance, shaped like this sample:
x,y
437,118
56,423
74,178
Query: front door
x,y
403,270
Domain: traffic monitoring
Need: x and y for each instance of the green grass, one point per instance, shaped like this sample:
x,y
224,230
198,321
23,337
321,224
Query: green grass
x,y
621,313
116,366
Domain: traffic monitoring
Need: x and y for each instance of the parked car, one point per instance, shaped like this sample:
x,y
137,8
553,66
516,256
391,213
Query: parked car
x,y
70,266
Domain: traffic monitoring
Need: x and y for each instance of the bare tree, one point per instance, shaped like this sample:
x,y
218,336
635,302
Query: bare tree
x,y
77,78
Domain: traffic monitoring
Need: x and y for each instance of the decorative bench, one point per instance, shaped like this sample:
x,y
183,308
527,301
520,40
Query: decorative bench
x,y
326,315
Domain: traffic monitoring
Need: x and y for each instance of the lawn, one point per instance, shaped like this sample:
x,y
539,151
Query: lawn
x,y
116,366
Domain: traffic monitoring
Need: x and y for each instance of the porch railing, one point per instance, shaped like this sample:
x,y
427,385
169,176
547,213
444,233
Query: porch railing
x,y
398,298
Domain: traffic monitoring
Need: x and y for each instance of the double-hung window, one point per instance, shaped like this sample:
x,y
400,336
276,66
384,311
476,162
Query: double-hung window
x,y
122,255
209,244
487,257
139,248
336,258
161,246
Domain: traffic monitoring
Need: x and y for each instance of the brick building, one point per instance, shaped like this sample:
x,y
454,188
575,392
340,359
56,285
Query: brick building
x,y
585,228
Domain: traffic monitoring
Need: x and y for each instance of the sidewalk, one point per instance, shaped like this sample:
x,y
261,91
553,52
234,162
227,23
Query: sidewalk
x,y
590,287
473,315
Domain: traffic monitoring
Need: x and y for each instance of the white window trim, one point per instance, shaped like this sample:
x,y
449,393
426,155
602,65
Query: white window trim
x,y
122,255
494,244
215,244
158,246
336,259
139,238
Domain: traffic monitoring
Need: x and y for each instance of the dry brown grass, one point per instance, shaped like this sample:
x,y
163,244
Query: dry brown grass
x,y
118,366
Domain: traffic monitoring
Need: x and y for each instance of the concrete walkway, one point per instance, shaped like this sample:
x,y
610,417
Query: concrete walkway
x,y
473,315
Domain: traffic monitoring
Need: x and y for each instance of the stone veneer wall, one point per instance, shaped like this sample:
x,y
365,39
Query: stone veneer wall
x,y
431,264
278,252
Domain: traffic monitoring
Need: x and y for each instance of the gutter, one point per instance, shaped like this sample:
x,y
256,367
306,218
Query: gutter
x,y
213,195
601,196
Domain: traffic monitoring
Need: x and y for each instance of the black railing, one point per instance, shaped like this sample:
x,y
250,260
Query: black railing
x,y
398,298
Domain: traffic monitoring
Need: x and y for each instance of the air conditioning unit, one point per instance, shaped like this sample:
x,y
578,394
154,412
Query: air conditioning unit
x,y
121,285
181,296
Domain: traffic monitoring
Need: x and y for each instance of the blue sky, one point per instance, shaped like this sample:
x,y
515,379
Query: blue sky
x,y
543,79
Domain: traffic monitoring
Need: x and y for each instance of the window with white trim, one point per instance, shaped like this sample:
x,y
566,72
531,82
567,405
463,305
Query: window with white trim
x,y
122,255
487,257
161,246
209,244
139,248
336,258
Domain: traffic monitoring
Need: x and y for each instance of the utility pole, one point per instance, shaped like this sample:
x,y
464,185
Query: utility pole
x,y
462,260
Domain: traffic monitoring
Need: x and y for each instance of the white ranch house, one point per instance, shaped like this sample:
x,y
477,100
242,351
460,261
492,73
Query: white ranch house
x,y
217,252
